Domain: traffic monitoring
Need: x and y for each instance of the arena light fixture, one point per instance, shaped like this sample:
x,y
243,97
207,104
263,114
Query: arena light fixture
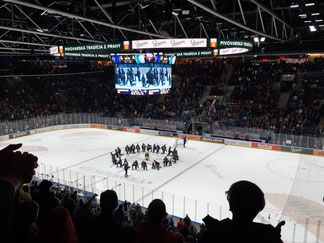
x,y
319,20
309,4
307,21
312,28
294,6
262,39
315,14
256,39
302,15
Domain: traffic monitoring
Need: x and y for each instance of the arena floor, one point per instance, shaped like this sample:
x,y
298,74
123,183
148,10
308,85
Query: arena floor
x,y
196,185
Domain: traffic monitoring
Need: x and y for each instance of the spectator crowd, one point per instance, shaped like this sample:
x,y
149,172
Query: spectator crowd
x,y
252,104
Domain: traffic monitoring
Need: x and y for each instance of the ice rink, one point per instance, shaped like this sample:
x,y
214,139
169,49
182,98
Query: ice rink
x,y
292,183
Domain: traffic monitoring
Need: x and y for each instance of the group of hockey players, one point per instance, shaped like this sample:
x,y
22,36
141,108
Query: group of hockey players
x,y
171,156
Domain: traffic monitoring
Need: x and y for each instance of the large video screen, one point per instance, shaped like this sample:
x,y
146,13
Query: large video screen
x,y
143,79
143,58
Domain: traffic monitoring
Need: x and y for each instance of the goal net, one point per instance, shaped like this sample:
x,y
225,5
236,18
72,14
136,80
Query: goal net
x,y
178,142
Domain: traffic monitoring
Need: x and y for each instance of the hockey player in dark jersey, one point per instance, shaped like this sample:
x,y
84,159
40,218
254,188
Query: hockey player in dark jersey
x,y
116,153
154,148
175,155
138,148
184,141
149,147
169,151
127,149
157,148
132,148
119,151
135,164
165,161
144,165
143,147
156,165
163,149
126,167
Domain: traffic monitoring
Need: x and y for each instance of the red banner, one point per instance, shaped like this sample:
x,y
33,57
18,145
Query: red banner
x,y
319,152
132,130
189,137
266,146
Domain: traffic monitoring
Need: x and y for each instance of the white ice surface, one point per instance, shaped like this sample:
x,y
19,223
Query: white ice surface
x,y
195,185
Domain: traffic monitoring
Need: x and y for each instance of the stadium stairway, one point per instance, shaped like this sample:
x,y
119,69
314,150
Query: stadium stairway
x,y
283,100
321,123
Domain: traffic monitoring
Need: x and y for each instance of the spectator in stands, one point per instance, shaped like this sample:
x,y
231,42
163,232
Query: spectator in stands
x,y
246,200
16,168
152,230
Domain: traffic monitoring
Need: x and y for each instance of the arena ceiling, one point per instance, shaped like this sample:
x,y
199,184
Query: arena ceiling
x,y
32,26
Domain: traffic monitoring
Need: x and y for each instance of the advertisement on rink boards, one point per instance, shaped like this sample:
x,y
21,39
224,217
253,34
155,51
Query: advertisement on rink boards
x,y
189,137
266,146
167,134
319,152
118,128
127,129
297,150
19,134
5,137
98,126
213,139
238,142
149,132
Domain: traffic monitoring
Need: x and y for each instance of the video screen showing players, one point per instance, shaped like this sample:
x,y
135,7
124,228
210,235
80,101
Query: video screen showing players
x,y
143,78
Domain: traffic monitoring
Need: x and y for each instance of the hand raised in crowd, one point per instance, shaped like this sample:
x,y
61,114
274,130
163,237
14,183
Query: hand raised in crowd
x,y
17,167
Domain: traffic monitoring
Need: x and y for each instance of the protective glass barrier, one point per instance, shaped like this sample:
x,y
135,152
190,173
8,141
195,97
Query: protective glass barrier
x,y
303,214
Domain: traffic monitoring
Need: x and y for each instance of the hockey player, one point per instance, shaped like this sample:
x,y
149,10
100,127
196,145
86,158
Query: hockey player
x,y
138,148
156,165
116,153
149,147
125,162
157,148
169,151
144,165
154,148
165,161
127,149
120,162
119,151
133,149
163,149
143,147
135,164
175,155
126,167
147,155
184,141
112,156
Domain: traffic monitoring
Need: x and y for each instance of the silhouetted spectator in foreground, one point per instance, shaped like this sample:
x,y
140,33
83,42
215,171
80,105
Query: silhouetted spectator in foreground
x,y
246,200
105,228
58,228
16,168
153,230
